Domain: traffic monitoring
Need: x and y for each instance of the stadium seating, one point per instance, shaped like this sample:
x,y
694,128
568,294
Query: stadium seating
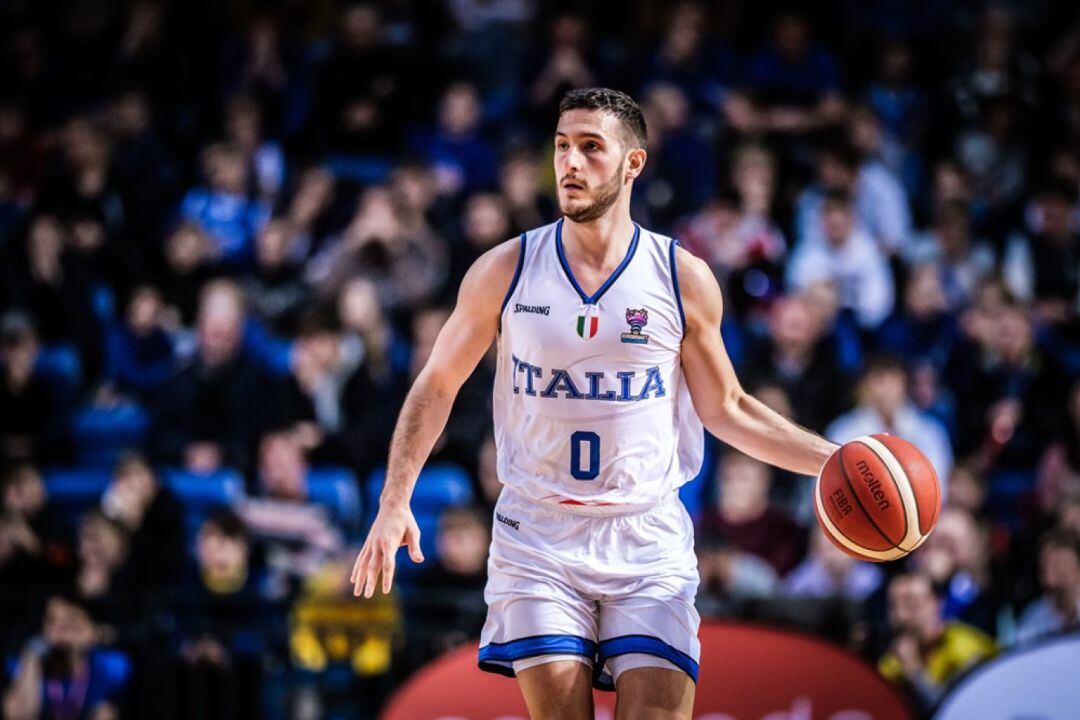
x,y
337,489
102,434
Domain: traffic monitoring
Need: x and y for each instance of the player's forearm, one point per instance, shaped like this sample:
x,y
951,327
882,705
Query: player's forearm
x,y
749,425
423,418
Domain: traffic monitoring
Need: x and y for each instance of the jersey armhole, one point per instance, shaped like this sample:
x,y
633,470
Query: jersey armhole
x,y
514,280
675,283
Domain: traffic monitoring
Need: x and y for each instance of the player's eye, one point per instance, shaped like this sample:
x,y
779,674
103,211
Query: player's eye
x,y
591,146
562,145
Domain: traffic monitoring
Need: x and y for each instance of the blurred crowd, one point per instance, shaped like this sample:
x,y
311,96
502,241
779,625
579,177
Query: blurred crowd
x,y
230,232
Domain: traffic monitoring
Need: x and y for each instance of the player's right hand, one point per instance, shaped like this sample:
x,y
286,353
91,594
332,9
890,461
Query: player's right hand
x,y
393,527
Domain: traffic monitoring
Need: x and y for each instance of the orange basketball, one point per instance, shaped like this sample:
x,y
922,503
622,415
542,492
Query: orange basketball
x,y
877,498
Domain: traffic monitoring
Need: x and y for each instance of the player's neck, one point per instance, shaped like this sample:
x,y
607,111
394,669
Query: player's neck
x,y
600,243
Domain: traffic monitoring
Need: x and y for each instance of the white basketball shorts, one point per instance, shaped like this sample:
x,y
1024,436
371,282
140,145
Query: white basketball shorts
x,y
612,590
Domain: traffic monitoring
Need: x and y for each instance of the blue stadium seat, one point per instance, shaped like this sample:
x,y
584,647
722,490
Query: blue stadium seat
x,y
337,489
102,434
201,493
76,488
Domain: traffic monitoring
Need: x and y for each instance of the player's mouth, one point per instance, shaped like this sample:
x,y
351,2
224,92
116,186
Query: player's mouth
x,y
571,185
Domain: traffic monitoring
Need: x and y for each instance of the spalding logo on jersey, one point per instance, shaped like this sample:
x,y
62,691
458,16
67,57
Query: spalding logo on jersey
x,y
636,319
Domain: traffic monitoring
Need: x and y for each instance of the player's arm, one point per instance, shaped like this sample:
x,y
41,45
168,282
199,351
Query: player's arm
x,y
726,410
466,336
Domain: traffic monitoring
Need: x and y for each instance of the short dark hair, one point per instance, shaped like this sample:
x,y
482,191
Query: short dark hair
x,y
1061,539
838,199
225,520
618,103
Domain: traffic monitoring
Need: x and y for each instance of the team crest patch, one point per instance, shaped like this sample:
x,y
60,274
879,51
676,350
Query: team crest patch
x,y
636,319
587,325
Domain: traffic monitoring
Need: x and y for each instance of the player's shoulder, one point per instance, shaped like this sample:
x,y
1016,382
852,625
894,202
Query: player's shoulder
x,y
488,279
697,283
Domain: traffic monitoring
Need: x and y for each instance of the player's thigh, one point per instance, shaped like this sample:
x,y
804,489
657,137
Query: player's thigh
x,y
654,693
557,690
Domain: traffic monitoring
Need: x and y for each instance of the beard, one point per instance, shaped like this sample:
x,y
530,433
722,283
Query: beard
x,y
605,197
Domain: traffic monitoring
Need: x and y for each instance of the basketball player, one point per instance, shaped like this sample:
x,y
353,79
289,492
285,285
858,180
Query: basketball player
x,y
609,364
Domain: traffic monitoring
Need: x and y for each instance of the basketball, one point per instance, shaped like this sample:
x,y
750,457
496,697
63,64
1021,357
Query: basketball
x,y
877,498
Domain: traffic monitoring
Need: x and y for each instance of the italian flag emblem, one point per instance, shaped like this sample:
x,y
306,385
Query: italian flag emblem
x,y
587,324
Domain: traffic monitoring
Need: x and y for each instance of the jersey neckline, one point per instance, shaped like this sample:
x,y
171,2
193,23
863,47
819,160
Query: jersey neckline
x,y
592,299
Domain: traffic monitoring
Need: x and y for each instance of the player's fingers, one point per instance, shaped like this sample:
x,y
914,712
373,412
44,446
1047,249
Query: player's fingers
x,y
387,571
372,574
360,570
412,539
361,558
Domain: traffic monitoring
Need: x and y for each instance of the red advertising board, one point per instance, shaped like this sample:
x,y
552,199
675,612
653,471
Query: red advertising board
x,y
747,673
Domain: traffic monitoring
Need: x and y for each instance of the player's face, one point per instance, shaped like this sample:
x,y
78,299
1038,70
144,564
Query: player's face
x,y
590,163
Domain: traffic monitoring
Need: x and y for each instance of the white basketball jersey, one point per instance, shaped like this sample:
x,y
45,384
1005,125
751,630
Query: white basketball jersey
x,y
590,402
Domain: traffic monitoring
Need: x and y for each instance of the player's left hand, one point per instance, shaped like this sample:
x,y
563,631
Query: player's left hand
x,y
393,527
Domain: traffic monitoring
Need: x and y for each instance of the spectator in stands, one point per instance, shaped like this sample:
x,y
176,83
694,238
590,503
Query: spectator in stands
x,y
744,518
829,572
216,404
224,625
462,157
519,182
275,287
567,65
188,268
364,323
139,353
31,548
297,535
102,577
796,357
265,159
49,283
736,233
901,107
1046,268
485,224
879,186
32,413
361,88
879,203
961,260
927,652
1059,469
848,258
310,211
1008,390
152,517
447,610
884,407
328,400
65,672
223,209
922,330
1058,609
681,173
956,557
729,577
792,86
408,268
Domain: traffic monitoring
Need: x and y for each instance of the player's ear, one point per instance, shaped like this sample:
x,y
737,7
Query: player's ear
x,y
635,162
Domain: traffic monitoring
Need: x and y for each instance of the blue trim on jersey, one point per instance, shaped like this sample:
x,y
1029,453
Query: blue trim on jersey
x,y
647,645
535,645
591,300
517,275
675,282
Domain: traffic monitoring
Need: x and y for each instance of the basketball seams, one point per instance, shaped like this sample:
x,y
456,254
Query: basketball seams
x,y
912,528
858,500
834,534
